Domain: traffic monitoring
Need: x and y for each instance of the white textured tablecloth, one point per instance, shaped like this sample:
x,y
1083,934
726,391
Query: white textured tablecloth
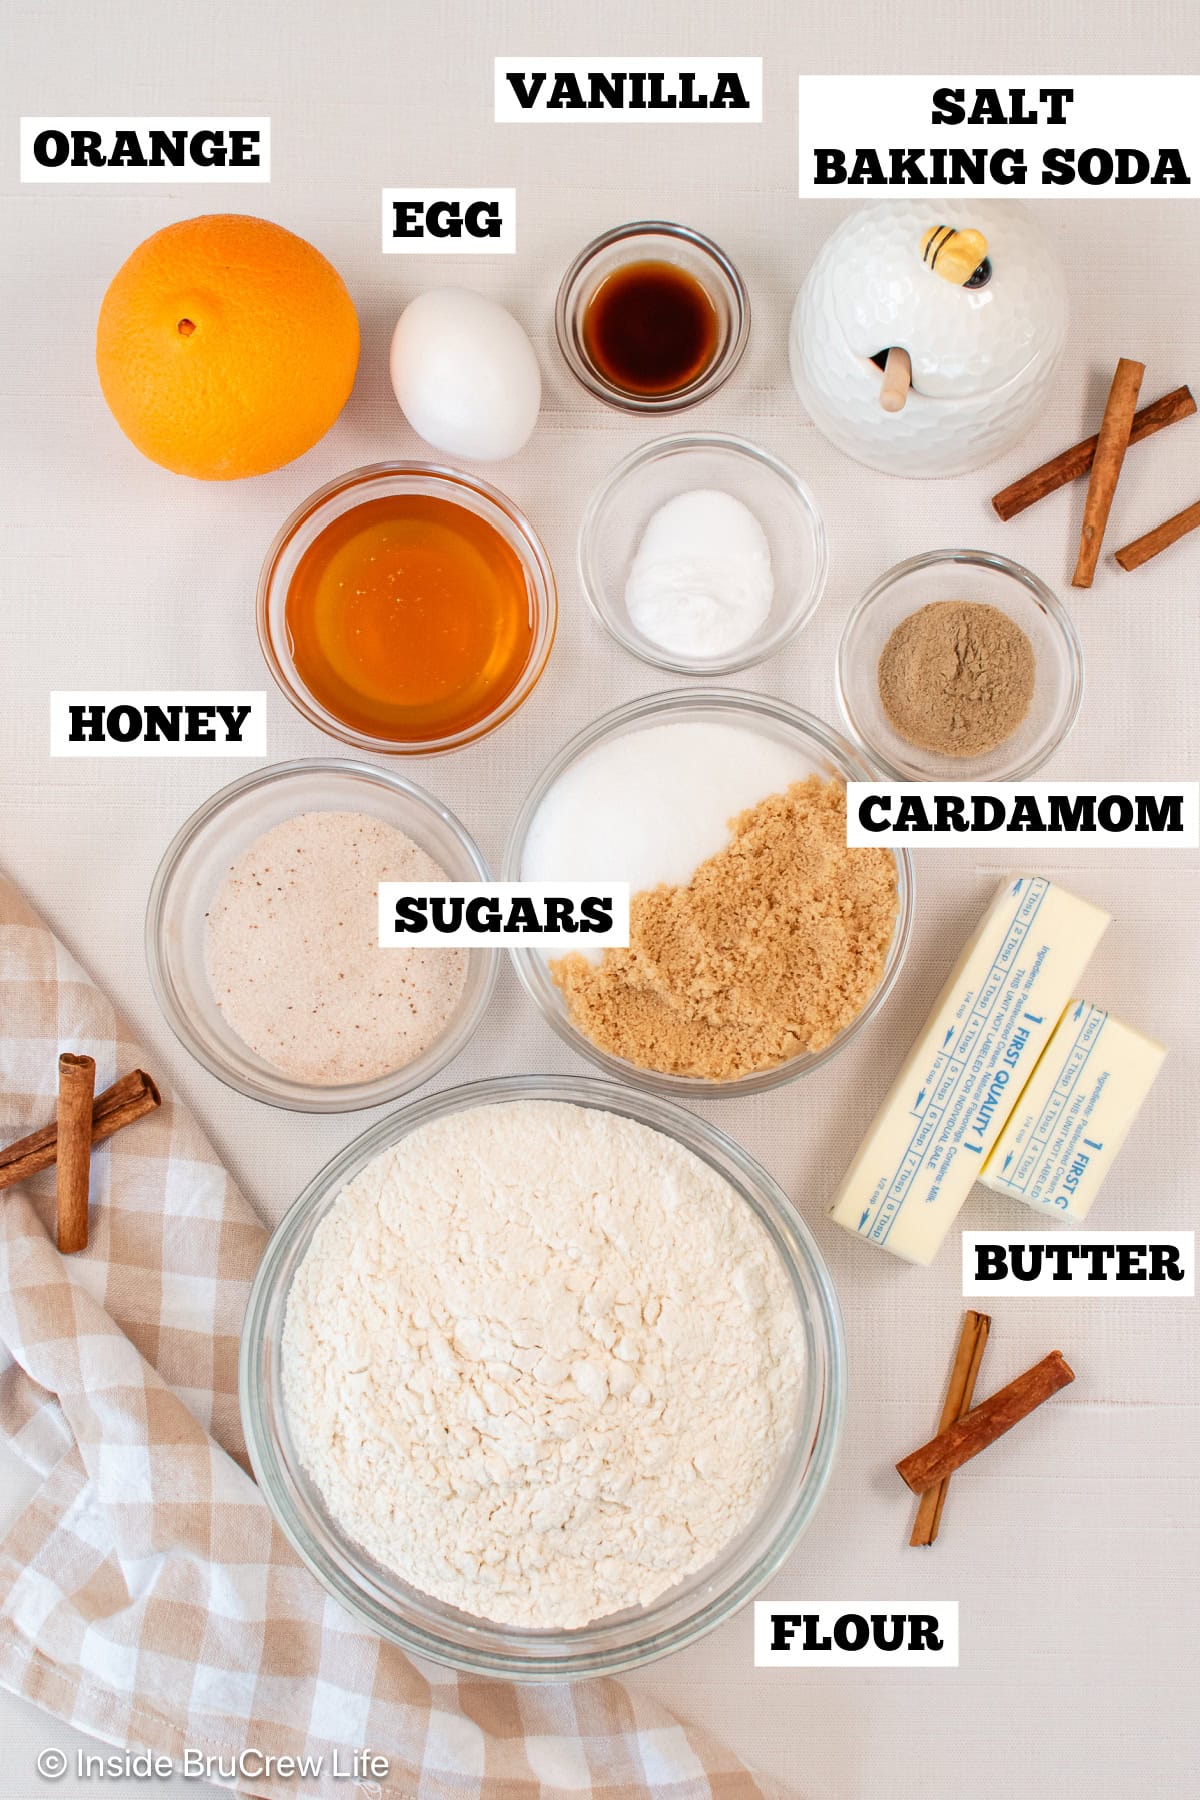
x,y
1072,1550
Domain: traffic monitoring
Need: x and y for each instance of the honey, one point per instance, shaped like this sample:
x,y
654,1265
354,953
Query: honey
x,y
651,329
409,618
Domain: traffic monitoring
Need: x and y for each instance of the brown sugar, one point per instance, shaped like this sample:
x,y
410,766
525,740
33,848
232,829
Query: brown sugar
x,y
956,677
771,949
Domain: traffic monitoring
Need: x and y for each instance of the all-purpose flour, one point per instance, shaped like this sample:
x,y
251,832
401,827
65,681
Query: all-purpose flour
x,y
541,1361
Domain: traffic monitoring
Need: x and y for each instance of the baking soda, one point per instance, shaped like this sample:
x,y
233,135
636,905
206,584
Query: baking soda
x,y
700,584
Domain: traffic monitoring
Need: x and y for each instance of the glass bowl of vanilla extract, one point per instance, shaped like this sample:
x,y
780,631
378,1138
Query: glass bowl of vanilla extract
x,y
652,317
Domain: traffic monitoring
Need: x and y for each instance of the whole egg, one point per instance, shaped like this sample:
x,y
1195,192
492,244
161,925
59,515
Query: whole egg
x,y
974,295
465,374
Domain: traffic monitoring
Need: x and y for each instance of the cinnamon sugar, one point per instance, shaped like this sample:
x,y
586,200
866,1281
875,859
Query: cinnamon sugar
x,y
294,959
771,949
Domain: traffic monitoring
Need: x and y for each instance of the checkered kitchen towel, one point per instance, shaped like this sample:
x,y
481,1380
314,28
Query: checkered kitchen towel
x,y
145,1594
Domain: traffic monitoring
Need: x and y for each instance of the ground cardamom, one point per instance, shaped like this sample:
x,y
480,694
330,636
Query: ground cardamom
x,y
956,677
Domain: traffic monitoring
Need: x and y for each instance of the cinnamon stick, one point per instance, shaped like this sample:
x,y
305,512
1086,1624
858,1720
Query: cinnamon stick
x,y
963,1374
131,1098
1113,442
1161,538
76,1091
939,1458
1070,464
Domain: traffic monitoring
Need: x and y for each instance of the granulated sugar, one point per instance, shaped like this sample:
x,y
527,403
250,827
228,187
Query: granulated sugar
x,y
652,805
294,959
542,1362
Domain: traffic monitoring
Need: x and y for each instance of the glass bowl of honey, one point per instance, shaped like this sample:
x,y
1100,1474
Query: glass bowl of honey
x,y
407,608
652,317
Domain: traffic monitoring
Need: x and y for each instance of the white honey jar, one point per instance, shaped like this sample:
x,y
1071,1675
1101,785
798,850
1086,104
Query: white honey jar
x,y
963,300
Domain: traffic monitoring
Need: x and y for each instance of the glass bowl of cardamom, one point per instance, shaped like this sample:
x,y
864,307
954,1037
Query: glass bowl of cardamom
x,y
959,665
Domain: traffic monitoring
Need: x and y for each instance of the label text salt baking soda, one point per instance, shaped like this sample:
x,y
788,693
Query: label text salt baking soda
x,y
1014,137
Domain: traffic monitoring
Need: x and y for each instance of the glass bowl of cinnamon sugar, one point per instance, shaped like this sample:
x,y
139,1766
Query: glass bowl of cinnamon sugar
x,y
760,944
959,665
262,937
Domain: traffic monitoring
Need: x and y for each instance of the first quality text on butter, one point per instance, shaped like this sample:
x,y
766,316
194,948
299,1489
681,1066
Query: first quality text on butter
x,y
1075,1113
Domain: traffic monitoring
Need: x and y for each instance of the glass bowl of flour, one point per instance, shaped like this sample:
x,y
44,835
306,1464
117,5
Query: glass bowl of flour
x,y
703,554
262,937
542,1378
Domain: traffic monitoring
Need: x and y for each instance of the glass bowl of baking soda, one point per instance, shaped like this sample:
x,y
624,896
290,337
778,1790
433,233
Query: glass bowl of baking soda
x,y
530,1515
703,554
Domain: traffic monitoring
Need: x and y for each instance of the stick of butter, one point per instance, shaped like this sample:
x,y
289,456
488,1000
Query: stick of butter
x,y
1075,1113
961,1079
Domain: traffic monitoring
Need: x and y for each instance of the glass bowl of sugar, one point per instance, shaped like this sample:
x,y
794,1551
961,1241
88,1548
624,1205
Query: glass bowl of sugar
x,y
761,944
703,554
262,937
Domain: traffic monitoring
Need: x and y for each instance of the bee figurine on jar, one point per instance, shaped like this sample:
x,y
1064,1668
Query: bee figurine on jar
x,y
921,346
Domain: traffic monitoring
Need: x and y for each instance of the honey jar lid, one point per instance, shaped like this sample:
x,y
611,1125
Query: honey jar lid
x,y
970,289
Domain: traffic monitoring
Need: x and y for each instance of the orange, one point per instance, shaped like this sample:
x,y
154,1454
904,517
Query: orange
x,y
226,346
